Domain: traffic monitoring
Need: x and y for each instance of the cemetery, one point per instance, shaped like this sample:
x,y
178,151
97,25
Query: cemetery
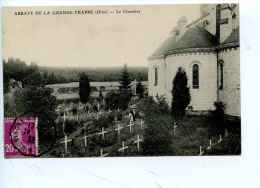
x,y
116,133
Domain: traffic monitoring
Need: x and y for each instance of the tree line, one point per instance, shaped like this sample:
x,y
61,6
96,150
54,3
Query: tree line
x,y
99,74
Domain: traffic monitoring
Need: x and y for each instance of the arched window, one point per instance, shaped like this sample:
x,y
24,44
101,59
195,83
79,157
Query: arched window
x,y
195,76
221,74
155,76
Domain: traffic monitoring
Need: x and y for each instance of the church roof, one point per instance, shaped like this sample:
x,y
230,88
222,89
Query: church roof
x,y
194,37
234,37
164,46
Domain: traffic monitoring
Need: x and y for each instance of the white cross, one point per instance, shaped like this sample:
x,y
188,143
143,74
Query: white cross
x,y
67,110
85,140
135,86
57,110
130,126
226,133
123,148
210,144
174,127
80,107
66,142
103,132
63,128
118,128
141,123
98,106
220,139
138,142
97,117
118,109
201,150
109,110
64,117
101,153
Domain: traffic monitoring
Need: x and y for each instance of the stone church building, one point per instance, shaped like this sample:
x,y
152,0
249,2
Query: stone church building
x,y
208,50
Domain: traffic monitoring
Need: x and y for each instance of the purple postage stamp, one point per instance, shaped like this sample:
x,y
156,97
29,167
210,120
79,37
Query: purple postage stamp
x,y
20,137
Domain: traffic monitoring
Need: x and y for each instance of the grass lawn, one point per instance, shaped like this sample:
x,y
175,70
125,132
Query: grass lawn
x,y
195,131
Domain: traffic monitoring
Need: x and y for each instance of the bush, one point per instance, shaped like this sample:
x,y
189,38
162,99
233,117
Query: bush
x,y
157,138
218,118
180,94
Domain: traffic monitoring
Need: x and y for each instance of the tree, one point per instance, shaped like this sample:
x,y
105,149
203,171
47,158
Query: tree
x,y
125,79
112,100
33,79
180,94
140,89
6,78
84,88
157,137
38,102
116,100
100,96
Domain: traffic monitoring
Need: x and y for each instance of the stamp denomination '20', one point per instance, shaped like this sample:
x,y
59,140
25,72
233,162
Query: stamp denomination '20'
x,y
20,137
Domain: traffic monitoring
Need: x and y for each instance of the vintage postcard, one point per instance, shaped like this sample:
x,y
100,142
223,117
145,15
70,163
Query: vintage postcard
x,y
121,81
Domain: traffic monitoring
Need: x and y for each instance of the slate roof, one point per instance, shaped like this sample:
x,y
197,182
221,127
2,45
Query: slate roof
x,y
234,37
194,37
165,46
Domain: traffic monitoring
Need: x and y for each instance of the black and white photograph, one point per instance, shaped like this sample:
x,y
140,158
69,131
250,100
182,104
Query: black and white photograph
x,y
117,81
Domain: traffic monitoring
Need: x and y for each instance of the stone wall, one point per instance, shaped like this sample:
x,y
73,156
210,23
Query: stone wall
x,y
230,93
203,97
154,89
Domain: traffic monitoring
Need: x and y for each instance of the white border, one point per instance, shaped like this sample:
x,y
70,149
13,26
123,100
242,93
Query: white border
x,y
184,172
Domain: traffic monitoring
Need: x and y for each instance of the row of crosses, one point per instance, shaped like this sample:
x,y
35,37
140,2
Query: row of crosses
x,y
102,133
212,144
124,147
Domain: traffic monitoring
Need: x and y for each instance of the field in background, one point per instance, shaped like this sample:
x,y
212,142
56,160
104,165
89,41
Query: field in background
x,y
109,86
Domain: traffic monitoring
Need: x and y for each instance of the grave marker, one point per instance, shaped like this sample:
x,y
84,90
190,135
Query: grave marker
x,y
123,148
201,150
101,153
85,139
130,126
98,106
220,139
67,111
174,127
64,117
103,132
138,142
63,128
135,86
97,117
118,128
226,133
66,142
141,123
58,111
210,144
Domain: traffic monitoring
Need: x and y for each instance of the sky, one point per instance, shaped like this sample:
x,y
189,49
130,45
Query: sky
x,y
90,40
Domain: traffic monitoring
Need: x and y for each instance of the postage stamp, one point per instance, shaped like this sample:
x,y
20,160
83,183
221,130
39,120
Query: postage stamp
x,y
20,137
